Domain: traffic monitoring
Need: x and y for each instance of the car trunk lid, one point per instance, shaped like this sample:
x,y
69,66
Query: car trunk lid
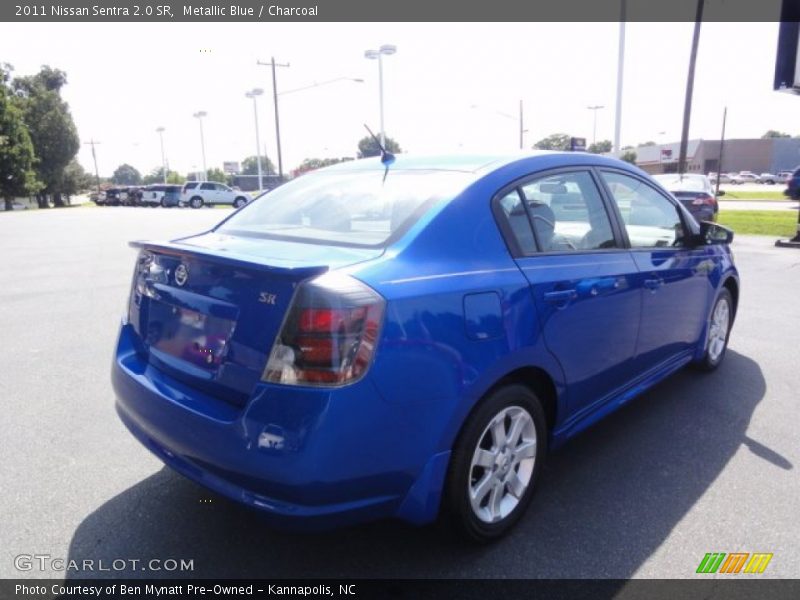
x,y
207,309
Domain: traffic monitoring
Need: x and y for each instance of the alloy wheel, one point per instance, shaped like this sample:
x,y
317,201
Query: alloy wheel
x,y
502,464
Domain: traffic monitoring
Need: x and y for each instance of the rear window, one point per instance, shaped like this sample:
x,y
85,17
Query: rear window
x,y
190,186
351,208
674,183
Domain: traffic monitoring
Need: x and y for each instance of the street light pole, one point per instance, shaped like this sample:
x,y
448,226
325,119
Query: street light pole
x,y
594,109
199,116
255,93
385,50
160,132
620,73
721,148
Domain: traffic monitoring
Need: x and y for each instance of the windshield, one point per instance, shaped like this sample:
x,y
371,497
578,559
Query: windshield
x,y
353,208
674,183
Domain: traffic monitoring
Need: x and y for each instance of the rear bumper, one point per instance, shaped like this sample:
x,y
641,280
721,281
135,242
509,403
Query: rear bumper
x,y
308,458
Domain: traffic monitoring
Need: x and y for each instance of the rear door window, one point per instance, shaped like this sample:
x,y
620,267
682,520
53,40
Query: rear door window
x,y
568,213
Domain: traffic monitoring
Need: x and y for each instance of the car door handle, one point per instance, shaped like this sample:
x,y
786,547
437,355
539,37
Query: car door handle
x,y
561,297
653,284
597,286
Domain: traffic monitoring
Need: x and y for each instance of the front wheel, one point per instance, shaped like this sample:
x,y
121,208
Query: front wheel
x,y
719,330
239,202
495,463
196,202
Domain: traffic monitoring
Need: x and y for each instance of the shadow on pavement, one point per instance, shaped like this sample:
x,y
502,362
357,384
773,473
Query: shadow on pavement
x,y
606,502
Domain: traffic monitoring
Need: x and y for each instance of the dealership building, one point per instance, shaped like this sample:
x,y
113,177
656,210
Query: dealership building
x,y
702,156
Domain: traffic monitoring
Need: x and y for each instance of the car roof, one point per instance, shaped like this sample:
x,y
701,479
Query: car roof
x,y
480,164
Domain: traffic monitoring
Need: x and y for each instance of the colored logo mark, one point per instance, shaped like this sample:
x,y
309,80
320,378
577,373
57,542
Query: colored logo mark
x,y
735,562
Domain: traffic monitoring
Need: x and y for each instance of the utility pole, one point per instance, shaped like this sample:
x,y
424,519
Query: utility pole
x,y
273,64
687,106
721,146
92,143
620,73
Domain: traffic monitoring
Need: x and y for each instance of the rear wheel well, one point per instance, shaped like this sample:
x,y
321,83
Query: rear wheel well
x,y
542,385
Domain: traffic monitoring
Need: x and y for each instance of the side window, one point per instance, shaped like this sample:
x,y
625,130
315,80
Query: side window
x,y
650,219
207,186
512,212
568,214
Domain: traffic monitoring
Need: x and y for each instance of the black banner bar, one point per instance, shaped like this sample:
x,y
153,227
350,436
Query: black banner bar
x,y
372,10
711,588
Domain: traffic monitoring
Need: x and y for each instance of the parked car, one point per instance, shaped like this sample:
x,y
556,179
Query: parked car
x,y
135,195
388,338
724,178
207,193
151,194
113,196
694,192
745,177
171,196
769,178
784,176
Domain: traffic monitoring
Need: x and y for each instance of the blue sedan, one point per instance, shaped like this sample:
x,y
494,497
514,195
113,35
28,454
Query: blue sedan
x,y
409,337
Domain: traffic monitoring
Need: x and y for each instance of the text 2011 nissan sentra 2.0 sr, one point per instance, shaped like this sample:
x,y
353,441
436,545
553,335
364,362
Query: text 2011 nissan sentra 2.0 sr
x,y
407,337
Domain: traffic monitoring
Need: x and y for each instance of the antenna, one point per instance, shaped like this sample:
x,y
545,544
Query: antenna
x,y
387,158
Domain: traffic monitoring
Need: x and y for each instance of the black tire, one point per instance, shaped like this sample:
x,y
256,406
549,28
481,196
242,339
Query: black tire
x,y
240,201
196,202
163,203
457,507
713,359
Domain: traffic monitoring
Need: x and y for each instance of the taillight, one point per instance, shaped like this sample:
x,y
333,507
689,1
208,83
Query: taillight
x,y
704,199
329,335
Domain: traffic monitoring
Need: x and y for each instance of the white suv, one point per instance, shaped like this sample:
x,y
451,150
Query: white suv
x,y
200,193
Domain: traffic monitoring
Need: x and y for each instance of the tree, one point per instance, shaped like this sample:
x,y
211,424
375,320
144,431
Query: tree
x,y
629,156
51,128
215,174
771,133
157,176
16,150
309,164
250,166
75,179
126,175
367,146
555,141
600,147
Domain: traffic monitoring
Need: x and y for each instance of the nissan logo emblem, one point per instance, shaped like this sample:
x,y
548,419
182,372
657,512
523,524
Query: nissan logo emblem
x,y
181,274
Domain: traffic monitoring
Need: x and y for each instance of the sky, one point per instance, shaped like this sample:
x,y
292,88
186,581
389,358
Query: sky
x,y
450,86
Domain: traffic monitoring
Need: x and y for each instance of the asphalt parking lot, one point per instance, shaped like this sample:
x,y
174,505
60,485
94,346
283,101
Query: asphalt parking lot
x,y
702,463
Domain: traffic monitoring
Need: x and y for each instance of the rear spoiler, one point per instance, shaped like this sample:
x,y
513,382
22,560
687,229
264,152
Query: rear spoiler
x,y
229,259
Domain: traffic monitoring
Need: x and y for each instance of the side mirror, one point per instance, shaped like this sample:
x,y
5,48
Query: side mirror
x,y
721,193
713,233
